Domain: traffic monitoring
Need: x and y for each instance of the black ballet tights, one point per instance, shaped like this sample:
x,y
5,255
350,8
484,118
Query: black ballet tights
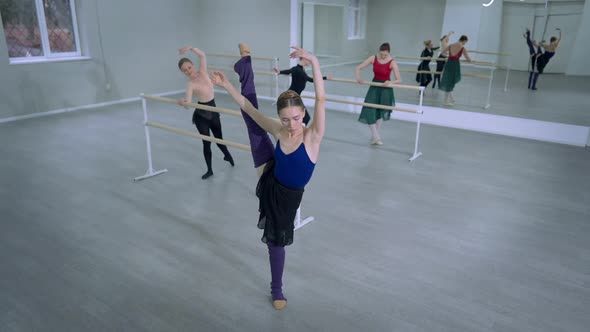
x,y
214,125
436,79
425,83
533,80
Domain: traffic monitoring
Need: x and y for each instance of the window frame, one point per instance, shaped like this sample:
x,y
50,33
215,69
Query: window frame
x,y
48,55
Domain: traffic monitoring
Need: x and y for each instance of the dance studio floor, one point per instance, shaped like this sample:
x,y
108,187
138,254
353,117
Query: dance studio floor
x,y
481,233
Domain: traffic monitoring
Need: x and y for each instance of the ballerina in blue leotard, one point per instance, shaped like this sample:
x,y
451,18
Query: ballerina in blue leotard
x,y
280,188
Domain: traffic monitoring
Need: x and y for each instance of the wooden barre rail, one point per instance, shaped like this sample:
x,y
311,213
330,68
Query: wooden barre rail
x,y
197,135
359,103
270,73
481,63
195,105
485,77
237,56
440,72
489,53
399,86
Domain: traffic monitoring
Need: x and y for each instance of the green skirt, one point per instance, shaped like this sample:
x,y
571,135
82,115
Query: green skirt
x,y
451,75
381,96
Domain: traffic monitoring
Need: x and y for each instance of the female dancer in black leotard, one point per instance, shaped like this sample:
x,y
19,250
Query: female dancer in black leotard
x,y
425,78
299,79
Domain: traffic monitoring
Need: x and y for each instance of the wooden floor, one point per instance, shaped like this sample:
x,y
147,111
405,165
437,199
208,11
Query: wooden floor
x,y
481,233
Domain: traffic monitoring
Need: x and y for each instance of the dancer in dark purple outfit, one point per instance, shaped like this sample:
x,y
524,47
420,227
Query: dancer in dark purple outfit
x,y
299,79
539,59
280,188
260,143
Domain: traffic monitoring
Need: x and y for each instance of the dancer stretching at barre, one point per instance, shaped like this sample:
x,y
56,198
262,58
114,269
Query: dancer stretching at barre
x,y
539,59
200,84
440,63
262,149
383,64
452,73
280,187
299,79
425,78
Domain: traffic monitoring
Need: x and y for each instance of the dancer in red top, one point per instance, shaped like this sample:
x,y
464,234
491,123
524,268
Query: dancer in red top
x,y
383,64
452,72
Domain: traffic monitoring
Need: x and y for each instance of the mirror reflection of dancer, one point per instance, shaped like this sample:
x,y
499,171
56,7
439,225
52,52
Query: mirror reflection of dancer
x,y
425,78
452,73
280,188
440,65
539,59
299,79
200,84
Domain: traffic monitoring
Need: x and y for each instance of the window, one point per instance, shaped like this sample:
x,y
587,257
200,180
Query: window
x,y
39,30
356,19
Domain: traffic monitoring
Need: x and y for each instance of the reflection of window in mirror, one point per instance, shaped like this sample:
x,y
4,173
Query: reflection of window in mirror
x,y
357,18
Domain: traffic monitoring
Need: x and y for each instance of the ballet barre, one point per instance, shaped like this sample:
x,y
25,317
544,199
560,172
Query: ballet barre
x,y
224,55
486,77
259,72
488,53
147,124
490,78
418,112
397,86
298,222
193,105
197,135
352,102
479,63
507,67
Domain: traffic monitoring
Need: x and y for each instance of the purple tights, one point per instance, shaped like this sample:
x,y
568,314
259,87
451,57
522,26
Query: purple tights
x,y
262,148
276,255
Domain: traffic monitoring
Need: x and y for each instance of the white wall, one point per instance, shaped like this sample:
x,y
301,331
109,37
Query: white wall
x,y
578,62
515,18
308,30
262,24
140,41
463,17
140,45
329,30
490,32
405,24
351,49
